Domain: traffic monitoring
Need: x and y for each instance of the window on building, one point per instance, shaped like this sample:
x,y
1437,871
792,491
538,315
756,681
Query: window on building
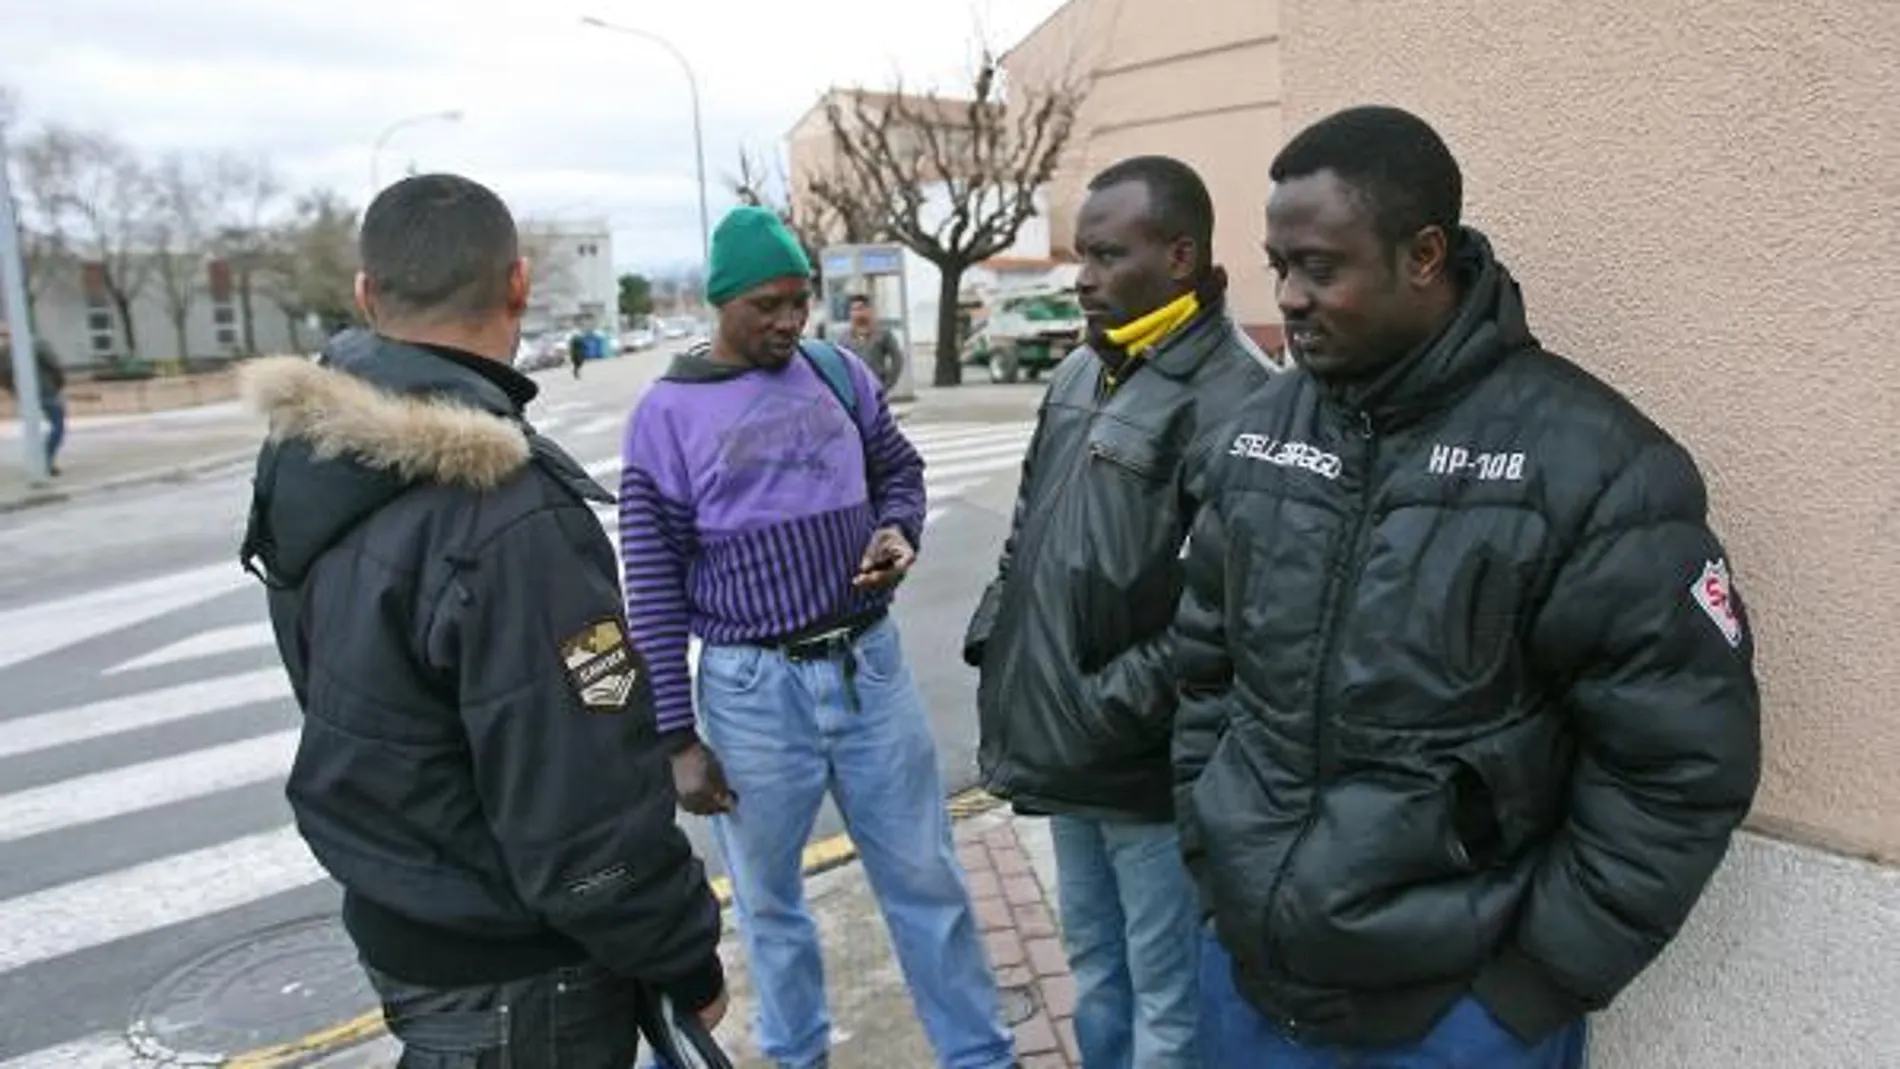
x,y
223,315
218,275
102,343
92,279
98,322
227,336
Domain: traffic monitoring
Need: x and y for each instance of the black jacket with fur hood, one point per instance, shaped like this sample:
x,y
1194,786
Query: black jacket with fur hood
x,y
478,766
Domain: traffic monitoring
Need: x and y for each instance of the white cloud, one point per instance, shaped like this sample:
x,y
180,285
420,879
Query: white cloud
x,y
559,118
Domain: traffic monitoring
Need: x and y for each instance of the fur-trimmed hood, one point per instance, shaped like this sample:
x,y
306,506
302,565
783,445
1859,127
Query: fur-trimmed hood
x,y
414,438
376,419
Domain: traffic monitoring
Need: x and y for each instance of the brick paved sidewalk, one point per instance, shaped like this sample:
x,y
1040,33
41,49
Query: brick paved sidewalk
x,y
1008,860
1019,926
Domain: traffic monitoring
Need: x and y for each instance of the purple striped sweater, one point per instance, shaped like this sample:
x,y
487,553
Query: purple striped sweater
x,y
744,509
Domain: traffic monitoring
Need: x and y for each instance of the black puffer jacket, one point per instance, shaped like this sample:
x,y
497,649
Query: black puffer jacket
x,y
1468,702
478,766
1077,693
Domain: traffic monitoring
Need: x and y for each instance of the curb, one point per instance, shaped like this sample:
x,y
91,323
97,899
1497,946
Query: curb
x,y
175,474
339,1040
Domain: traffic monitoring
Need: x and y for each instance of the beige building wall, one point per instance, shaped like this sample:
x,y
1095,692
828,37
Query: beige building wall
x,y
1199,81
1702,202
810,151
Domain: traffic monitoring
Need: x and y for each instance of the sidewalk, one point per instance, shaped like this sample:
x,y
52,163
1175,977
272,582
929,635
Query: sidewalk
x,y
974,402
104,453
1011,867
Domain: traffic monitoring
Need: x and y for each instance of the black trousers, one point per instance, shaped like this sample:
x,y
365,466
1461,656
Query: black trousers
x,y
582,1017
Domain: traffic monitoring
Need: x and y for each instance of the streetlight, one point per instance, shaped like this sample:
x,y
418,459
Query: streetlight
x,y
699,144
375,186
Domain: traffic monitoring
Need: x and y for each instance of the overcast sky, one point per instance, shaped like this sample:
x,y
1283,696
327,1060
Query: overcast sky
x,y
559,118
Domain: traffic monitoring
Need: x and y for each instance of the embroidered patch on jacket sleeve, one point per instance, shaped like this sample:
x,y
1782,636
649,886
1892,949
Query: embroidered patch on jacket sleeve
x,y
602,666
1714,593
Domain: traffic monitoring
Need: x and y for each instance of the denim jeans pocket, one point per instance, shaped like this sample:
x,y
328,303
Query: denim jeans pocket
x,y
594,1017
731,669
880,654
453,1039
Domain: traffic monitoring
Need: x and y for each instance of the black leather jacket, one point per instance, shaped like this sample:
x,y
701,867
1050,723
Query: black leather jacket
x,y
1077,693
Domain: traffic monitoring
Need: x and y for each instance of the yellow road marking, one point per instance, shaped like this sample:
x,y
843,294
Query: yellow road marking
x,y
820,855
336,1037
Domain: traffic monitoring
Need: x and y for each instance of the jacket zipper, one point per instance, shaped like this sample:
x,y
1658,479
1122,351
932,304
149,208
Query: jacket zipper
x,y
1345,583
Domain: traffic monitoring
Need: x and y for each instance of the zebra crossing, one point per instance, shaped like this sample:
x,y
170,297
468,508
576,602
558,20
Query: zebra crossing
x,y
145,731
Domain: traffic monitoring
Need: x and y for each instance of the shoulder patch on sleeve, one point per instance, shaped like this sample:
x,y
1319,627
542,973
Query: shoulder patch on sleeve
x,y
1714,593
602,666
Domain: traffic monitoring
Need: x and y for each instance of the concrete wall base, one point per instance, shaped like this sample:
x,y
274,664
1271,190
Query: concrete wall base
x,y
1792,958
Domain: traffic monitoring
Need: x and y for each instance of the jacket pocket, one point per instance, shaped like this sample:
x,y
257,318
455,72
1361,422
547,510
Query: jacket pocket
x,y
1381,891
1133,452
1518,774
1125,557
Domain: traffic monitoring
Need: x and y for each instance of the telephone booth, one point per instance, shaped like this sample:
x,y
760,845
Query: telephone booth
x,y
877,271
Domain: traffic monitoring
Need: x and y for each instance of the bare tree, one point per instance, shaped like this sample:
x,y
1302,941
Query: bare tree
x,y
952,180
246,241
191,196
42,172
309,265
109,198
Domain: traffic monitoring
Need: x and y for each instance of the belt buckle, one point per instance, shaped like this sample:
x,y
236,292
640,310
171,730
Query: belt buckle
x,y
813,647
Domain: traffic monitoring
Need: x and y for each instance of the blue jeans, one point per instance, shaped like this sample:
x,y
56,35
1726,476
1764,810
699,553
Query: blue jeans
x,y
787,732
1131,925
54,409
1466,1037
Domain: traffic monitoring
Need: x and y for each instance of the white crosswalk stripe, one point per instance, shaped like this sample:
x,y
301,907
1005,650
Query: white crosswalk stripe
x,y
38,810
165,891
203,644
154,698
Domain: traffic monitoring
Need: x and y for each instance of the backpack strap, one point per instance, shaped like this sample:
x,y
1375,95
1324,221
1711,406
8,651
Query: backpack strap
x,y
825,359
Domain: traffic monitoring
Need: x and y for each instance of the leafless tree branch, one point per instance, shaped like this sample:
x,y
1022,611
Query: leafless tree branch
x,y
987,155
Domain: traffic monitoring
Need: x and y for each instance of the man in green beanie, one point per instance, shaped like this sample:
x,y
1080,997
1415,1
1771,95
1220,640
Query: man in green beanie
x,y
770,506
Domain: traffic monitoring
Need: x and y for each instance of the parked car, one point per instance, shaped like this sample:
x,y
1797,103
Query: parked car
x,y
539,352
1026,333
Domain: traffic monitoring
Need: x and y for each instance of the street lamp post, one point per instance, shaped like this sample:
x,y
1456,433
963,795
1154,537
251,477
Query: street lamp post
x,y
699,143
26,372
375,153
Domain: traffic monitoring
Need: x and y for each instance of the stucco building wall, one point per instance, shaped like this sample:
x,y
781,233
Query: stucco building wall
x,y
1702,202
1198,81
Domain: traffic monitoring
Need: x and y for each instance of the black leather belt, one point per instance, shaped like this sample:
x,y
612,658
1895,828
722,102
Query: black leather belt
x,y
826,641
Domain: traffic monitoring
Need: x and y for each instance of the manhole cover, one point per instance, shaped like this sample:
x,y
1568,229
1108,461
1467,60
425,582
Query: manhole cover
x,y
274,987
1019,1005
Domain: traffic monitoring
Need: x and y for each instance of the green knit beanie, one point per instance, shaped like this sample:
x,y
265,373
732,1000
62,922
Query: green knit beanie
x,y
752,246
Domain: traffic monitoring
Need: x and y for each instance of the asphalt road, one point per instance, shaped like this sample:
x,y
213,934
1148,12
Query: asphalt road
x,y
145,724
